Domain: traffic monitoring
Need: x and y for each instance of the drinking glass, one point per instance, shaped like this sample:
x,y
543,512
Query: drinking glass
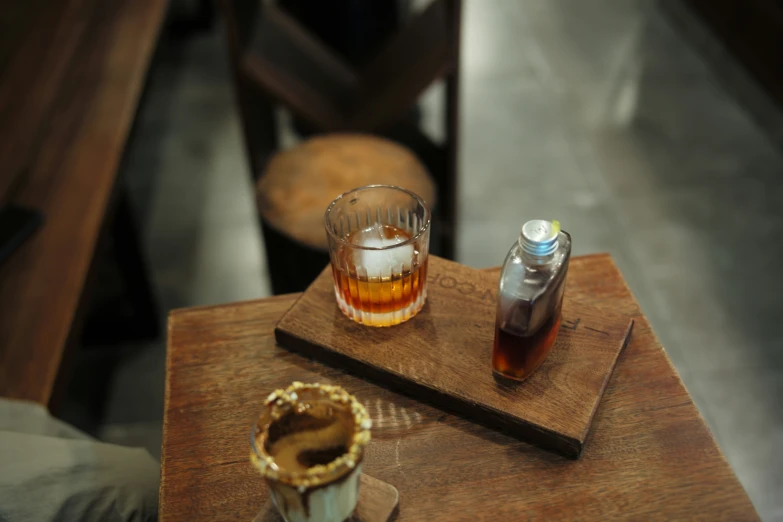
x,y
308,443
379,238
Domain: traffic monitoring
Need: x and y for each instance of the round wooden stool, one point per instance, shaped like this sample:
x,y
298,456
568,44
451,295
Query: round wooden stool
x,y
298,185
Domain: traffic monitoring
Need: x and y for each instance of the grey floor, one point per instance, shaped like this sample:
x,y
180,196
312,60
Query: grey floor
x,y
620,118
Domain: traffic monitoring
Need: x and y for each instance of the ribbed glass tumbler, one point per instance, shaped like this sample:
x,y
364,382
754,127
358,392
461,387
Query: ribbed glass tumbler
x,y
379,238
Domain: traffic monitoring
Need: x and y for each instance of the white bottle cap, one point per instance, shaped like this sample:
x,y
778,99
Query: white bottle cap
x,y
539,237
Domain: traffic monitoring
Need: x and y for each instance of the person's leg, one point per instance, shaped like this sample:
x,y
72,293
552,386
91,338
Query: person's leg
x,y
50,475
34,419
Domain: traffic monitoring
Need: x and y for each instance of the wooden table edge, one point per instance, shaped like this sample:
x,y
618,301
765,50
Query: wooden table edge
x,y
260,300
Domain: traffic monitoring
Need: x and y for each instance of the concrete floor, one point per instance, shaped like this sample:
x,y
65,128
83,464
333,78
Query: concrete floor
x,y
613,116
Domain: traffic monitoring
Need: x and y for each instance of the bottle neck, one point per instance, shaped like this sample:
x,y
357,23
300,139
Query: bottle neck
x,y
537,256
533,260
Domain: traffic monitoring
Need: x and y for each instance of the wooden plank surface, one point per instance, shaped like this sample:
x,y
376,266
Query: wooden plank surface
x,y
649,455
443,355
71,73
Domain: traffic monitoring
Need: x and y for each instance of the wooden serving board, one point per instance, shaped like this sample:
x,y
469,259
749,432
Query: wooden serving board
x,y
378,501
442,355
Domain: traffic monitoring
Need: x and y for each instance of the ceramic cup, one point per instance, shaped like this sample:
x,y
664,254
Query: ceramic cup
x,y
308,443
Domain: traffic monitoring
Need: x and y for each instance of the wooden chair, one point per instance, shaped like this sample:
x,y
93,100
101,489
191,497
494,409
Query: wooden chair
x,y
300,183
275,61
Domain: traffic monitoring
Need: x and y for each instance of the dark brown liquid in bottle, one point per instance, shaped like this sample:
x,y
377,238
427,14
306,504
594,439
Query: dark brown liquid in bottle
x,y
517,357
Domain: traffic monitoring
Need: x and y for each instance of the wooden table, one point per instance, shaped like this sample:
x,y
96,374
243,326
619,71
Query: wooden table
x,y
71,73
649,455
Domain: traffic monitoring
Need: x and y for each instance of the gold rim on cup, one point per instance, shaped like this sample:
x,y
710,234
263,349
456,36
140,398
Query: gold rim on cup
x,y
283,401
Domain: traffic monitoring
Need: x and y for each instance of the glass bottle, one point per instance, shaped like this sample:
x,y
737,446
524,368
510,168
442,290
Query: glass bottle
x,y
530,298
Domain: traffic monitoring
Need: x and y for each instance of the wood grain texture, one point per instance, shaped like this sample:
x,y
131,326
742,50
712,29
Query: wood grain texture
x,y
442,355
71,76
299,183
649,455
377,503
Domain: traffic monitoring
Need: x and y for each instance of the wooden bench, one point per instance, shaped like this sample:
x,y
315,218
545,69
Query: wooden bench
x,y
71,74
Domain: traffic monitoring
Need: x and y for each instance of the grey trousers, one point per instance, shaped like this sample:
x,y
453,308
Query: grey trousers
x,y
50,471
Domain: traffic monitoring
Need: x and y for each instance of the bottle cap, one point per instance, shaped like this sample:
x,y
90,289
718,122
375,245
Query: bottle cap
x,y
539,237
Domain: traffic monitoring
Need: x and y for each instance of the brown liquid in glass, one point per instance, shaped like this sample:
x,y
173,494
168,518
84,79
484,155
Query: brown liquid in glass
x,y
379,295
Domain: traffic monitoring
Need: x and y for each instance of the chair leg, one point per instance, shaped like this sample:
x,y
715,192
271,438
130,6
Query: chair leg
x,y
449,188
129,255
292,267
129,312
